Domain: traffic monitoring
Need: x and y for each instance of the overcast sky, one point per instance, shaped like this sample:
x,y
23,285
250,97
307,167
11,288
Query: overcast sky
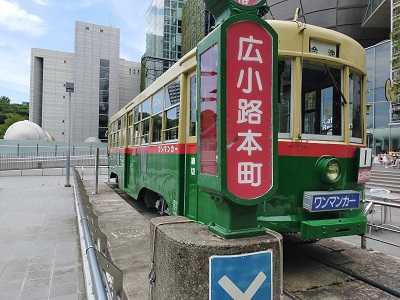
x,y
26,24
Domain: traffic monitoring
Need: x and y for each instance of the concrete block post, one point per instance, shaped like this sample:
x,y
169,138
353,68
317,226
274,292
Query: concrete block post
x,y
180,253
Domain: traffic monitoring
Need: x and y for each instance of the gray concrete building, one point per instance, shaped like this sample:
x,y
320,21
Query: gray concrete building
x,y
103,83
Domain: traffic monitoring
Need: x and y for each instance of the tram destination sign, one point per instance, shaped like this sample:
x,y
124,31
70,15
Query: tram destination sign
x,y
249,110
331,201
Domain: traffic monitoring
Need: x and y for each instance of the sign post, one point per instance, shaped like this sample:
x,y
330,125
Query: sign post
x,y
238,132
69,88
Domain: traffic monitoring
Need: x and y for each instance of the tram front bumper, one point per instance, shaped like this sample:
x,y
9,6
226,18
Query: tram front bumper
x,y
319,229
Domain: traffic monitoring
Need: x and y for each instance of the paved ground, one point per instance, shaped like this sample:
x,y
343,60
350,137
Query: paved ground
x,y
39,253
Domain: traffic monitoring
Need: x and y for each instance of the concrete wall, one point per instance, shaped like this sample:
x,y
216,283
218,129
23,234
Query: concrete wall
x,y
48,107
129,81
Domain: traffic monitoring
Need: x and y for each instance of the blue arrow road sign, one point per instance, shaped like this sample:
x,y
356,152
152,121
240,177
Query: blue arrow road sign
x,y
241,277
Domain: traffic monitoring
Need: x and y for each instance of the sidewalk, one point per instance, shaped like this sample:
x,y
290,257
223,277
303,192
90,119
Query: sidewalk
x,y
39,254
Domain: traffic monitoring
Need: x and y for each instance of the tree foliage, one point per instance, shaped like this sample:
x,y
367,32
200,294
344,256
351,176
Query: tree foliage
x,y
11,113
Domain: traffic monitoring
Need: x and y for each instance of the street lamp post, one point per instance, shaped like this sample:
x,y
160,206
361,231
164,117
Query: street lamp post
x,y
69,88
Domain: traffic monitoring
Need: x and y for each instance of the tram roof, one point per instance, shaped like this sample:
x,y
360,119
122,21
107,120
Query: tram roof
x,y
294,41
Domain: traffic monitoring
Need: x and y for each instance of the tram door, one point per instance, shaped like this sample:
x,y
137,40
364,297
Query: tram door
x,y
191,200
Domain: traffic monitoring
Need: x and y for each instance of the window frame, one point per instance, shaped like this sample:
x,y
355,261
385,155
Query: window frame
x,y
352,139
289,135
129,117
178,104
189,136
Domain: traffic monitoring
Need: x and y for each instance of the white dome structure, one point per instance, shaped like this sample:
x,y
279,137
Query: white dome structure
x,y
25,130
92,140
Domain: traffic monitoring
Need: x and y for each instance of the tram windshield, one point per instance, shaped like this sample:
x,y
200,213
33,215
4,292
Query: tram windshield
x,y
321,100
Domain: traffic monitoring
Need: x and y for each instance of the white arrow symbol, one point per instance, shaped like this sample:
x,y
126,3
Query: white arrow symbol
x,y
236,293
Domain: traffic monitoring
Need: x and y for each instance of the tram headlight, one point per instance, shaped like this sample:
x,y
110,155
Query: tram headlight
x,y
329,169
333,170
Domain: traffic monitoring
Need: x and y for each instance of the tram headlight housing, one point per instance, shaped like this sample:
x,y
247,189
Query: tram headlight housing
x,y
329,169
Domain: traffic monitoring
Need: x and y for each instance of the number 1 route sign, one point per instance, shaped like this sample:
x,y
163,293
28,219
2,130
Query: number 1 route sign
x,y
244,276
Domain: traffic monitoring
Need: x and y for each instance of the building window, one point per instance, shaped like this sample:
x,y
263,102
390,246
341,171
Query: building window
x,y
87,28
101,30
104,82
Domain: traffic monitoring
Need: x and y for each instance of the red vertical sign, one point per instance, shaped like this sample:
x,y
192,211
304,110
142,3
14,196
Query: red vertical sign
x,y
249,110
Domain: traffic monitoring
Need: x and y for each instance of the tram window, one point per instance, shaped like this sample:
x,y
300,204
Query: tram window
x,y
146,109
130,128
285,70
193,106
171,125
321,101
355,105
172,94
145,131
158,102
157,127
136,133
208,111
136,114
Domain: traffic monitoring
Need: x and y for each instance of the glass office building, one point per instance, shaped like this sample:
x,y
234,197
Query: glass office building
x,y
383,121
163,38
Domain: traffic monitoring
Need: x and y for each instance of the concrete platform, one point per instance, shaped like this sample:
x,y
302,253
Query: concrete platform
x,y
126,224
39,253
182,251
128,235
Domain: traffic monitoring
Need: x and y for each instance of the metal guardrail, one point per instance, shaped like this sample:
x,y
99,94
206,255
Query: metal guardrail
x,y
106,278
10,162
53,149
369,209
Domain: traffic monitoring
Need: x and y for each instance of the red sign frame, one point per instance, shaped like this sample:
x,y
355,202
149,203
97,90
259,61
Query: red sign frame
x,y
248,2
249,110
